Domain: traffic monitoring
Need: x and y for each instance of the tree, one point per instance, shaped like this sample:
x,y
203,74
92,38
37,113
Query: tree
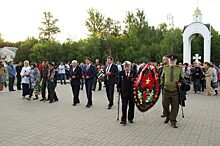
x,y
49,28
96,22
50,50
24,49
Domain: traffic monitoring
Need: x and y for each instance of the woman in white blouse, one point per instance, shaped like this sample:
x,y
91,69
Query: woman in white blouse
x,y
25,80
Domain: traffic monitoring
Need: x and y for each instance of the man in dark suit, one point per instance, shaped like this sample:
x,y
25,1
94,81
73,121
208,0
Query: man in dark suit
x,y
89,77
75,74
125,87
111,71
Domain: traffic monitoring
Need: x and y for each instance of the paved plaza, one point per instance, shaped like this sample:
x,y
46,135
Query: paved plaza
x,y
36,123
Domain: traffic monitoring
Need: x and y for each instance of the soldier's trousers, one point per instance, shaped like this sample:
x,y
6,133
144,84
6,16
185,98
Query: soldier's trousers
x,y
171,98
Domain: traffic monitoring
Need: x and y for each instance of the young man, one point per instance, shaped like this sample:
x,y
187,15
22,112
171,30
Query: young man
x,y
111,71
62,73
170,79
89,77
75,74
125,87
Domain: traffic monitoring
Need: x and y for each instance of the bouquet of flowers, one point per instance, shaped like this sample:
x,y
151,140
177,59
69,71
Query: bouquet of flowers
x,y
101,75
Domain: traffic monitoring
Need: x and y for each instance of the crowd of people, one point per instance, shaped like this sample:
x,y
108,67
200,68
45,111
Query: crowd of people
x,y
35,79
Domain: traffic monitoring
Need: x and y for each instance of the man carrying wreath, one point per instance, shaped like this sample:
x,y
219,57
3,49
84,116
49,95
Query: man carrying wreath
x,y
170,80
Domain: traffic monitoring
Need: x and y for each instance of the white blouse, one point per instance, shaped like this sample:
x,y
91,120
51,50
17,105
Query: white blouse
x,y
25,74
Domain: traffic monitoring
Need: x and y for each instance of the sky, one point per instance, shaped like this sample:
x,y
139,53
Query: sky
x,y
20,19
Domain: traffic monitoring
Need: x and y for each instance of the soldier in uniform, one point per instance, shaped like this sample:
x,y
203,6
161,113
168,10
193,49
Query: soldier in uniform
x,y
170,80
44,75
52,83
165,62
125,86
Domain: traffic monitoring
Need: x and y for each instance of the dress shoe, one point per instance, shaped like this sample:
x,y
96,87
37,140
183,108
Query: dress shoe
x,y
123,122
42,100
29,98
74,104
88,106
36,98
109,107
56,100
162,116
166,120
130,121
51,102
173,124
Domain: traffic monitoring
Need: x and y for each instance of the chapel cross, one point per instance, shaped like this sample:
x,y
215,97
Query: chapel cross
x,y
196,58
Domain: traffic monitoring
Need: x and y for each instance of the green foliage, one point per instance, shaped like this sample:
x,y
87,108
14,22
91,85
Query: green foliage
x,y
50,50
137,42
24,49
49,28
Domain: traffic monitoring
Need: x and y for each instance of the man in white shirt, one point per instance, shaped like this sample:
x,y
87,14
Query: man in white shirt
x,y
62,72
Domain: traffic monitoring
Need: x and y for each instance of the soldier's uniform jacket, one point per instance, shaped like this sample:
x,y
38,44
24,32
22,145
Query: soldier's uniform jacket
x,y
170,76
45,72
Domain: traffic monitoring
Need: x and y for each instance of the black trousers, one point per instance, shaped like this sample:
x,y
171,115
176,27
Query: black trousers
x,y
196,85
95,83
11,83
44,86
82,81
89,84
52,92
31,93
110,93
18,82
75,90
127,101
26,89
63,78
202,84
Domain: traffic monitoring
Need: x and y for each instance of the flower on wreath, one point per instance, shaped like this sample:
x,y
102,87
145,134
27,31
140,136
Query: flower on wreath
x,y
148,81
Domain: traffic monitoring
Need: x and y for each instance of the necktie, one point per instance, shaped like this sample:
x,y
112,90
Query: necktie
x,y
108,68
171,74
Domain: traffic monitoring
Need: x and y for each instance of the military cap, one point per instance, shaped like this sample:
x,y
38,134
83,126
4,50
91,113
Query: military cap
x,y
52,64
173,56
